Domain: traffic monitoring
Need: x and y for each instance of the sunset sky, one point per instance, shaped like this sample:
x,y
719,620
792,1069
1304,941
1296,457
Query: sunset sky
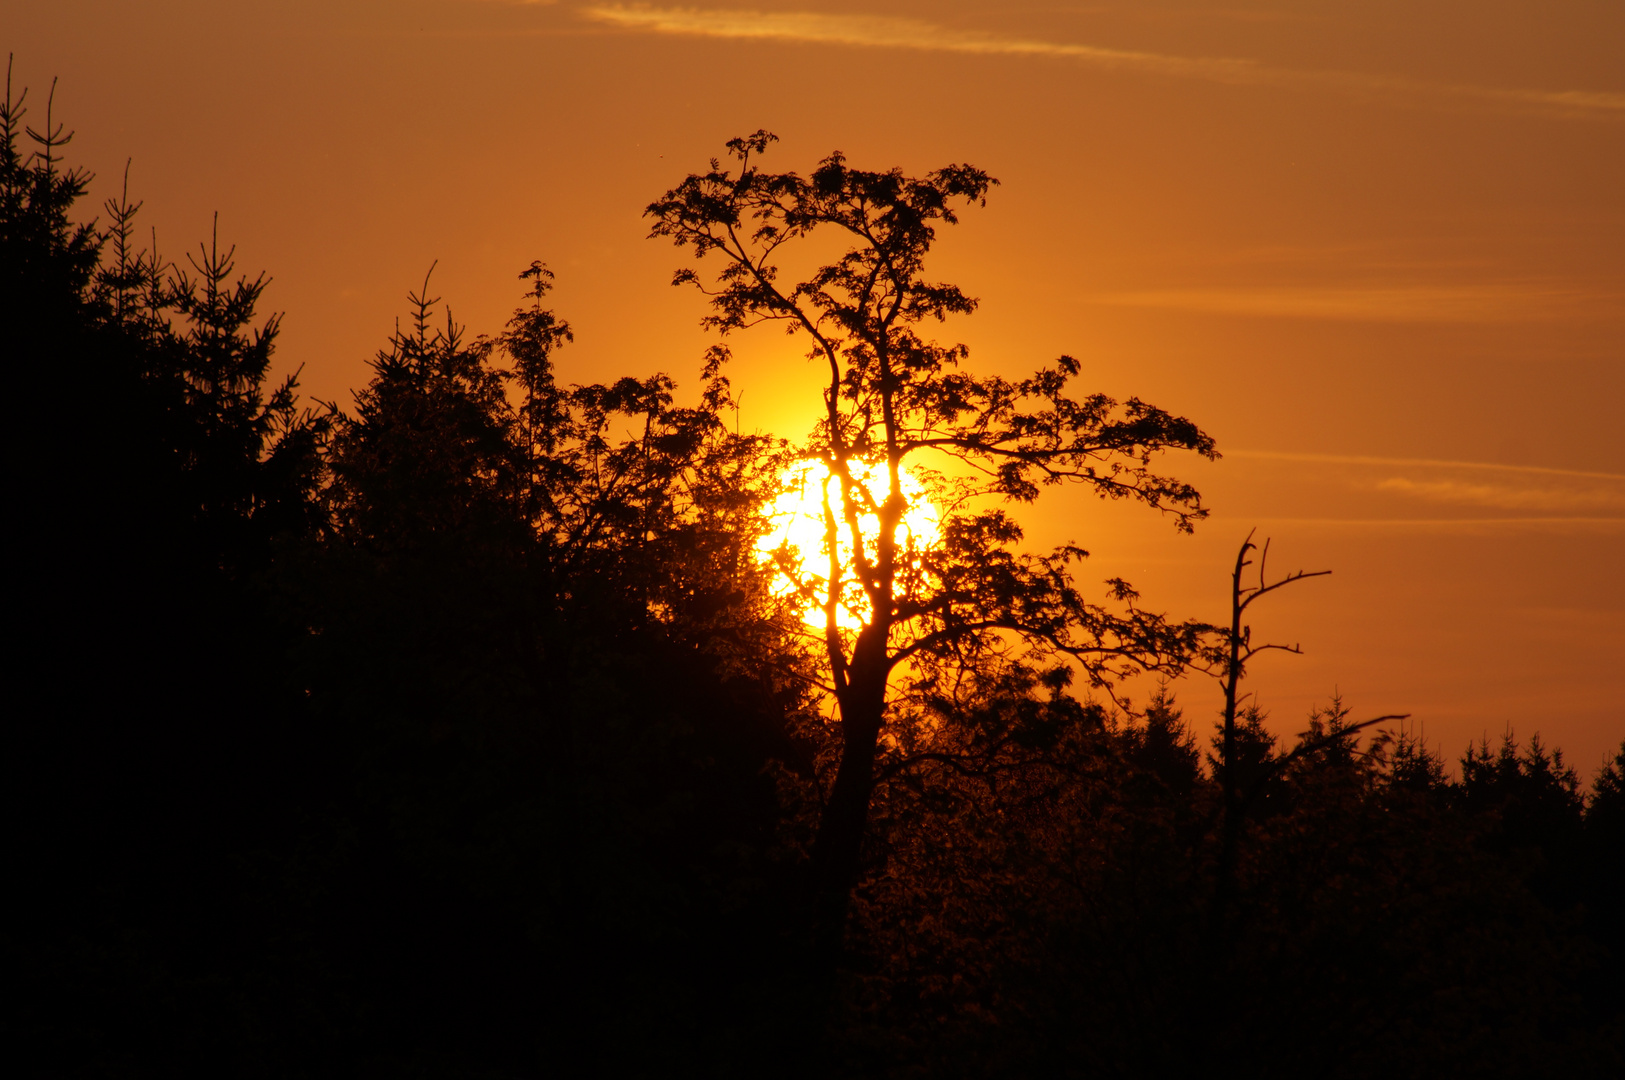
x,y
1377,250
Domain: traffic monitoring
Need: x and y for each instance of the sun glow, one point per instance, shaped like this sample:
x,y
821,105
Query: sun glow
x,y
796,542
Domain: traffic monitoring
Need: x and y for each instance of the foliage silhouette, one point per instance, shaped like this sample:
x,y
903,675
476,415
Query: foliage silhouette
x,y
540,603
927,616
463,733
156,485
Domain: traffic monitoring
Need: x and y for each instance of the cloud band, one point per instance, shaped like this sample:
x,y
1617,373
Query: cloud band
x,y
872,31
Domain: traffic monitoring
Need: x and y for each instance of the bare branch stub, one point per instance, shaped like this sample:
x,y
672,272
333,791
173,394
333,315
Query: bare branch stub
x,y
1238,650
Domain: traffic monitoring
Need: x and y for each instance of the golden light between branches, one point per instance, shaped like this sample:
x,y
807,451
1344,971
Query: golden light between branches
x,y
796,540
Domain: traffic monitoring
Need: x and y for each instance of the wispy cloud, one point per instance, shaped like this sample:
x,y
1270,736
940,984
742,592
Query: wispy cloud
x,y
1547,498
1608,525
874,31
1423,463
1537,495
1492,302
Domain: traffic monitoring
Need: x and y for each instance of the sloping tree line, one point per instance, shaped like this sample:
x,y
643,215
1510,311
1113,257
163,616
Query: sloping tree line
x,y
463,731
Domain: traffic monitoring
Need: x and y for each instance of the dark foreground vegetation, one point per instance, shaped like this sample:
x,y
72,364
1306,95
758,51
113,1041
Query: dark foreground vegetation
x,y
459,734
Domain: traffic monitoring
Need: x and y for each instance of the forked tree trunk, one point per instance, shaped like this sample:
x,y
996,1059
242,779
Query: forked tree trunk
x,y
838,848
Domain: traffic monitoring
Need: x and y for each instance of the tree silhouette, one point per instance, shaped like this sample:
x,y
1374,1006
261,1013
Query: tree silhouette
x,y
1246,766
924,615
157,482
466,732
541,628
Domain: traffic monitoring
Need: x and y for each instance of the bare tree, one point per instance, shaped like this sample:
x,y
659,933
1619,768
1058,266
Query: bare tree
x,y
1236,649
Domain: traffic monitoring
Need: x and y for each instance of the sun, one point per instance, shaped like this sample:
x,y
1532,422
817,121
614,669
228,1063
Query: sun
x,y
795,541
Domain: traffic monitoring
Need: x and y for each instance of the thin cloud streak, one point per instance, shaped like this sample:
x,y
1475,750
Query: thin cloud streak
x,y
1429,463
1606,524
873,31
1506,497
1498,303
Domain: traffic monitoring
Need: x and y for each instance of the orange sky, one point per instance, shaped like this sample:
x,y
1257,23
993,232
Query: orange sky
x,y
1378,250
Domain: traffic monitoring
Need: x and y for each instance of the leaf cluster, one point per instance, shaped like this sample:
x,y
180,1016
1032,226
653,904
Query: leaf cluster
x,y
894,396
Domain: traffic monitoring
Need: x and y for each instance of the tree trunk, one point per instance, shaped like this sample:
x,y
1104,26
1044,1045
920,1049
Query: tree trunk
x,y
838,848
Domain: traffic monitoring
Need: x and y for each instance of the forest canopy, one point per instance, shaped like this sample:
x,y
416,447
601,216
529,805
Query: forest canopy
x,y
473,729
